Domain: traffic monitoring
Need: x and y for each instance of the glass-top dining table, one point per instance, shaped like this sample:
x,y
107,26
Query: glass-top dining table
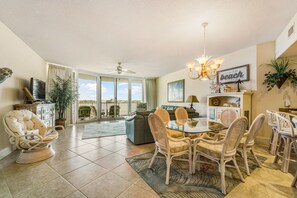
x,y
195,126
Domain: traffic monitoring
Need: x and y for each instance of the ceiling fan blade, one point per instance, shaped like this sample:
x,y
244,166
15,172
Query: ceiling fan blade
x,y
128,71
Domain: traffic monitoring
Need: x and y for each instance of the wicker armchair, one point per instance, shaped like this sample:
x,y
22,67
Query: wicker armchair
x,y
247,142
169,147
164,115
28,133
221,151
288,135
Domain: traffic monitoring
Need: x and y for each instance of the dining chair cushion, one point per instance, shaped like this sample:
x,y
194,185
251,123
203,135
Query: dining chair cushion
x,y
212,150
242,141
176,147
174,134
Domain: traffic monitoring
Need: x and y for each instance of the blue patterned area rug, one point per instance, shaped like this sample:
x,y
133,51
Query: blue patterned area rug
x,y
103,129
204,183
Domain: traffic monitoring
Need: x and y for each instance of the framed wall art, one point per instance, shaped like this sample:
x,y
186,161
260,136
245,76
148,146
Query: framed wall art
x,y
234,74
176,91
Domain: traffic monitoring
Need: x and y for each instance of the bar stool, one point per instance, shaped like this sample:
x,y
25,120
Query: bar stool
x,y
274,135
288,137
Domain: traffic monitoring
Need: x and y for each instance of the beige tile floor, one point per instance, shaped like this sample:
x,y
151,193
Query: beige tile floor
x,y
97,168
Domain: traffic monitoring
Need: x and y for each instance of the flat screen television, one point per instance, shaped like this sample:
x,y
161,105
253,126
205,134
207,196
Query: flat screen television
x,y
37,89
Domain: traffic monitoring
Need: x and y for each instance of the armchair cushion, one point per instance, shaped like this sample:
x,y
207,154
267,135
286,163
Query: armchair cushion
x,y
20,121
209,149
31,133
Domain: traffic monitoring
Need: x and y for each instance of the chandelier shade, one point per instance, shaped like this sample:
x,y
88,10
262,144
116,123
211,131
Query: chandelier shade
x,y
204,68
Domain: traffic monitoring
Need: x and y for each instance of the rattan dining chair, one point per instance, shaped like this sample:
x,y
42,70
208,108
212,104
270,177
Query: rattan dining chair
x,y
221,151
247,142
288,137
181,115
165,117
167,146
227,116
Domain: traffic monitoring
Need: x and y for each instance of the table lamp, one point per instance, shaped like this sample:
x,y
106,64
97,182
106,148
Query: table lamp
x,y
192,99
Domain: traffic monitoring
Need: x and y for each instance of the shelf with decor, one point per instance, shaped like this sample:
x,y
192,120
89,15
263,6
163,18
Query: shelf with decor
x,y
240,102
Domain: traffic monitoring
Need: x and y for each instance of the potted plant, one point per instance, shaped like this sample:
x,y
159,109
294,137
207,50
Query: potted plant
x,y
282,72
63,94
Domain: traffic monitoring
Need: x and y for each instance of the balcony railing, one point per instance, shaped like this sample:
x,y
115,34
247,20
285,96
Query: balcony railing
x,y
105,107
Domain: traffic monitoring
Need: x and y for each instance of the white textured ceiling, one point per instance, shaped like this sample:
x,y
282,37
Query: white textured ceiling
x,y
151,37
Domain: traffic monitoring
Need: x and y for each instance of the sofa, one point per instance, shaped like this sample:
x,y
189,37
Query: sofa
x,y
171,110
137,128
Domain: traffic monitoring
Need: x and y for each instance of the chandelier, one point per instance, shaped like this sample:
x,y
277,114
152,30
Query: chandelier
x,y
204,67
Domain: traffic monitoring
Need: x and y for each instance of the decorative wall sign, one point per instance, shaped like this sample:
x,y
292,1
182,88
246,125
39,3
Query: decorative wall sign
x,y
176,91
234,74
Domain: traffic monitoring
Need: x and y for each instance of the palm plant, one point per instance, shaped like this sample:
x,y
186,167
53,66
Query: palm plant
x,y
63,94
283,72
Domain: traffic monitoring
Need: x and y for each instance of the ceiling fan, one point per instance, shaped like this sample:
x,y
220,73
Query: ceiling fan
x,y
121,70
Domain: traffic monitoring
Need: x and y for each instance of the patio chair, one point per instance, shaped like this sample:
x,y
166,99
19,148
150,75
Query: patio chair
x,y
247,142
288,137
84,112
28,133
169,147
221,151
165,117
114,109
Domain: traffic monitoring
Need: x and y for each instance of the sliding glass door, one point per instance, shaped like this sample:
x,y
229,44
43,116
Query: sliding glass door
x,y
122,96
87,100
114,97
136,94
106,97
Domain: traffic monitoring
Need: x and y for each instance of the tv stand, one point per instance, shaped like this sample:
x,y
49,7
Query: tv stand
x,y
46,112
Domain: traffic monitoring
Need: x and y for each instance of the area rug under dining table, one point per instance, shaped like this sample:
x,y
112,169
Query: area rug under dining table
x,y
204,183
104,128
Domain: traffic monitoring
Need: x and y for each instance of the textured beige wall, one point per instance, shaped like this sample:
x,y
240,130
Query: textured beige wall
x,y
201,88
25,63
274,99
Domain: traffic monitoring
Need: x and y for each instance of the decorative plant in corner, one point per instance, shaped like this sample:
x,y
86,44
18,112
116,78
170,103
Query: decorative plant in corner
x,y
281,74
63,94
